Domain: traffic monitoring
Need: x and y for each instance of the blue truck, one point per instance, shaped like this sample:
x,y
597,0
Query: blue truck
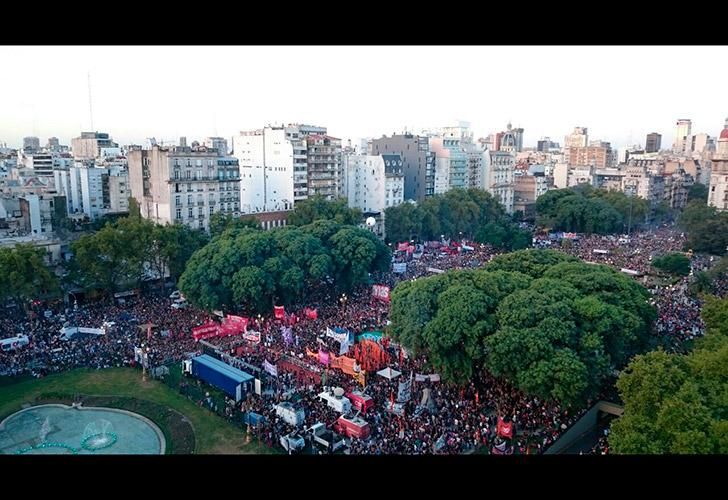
x,y
232,381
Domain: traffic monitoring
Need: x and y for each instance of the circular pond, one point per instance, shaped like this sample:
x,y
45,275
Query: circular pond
x,y
61,429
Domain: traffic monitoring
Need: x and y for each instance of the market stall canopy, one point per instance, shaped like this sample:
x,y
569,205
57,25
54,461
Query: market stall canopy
x,y
389,373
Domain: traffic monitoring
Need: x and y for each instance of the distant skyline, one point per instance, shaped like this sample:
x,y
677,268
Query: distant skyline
x,y
620,93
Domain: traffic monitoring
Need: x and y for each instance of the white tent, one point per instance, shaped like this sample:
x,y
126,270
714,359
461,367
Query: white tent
x,y
389,373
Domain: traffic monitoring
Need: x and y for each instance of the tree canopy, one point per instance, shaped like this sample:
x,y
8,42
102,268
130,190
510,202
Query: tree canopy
x,y
674,263
249,270
675,403
23,275
587,210
131,250
553,326
472,213
706,228
319,208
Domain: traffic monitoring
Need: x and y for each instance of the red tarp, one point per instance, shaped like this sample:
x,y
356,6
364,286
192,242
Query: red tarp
x,y
280,312
402,246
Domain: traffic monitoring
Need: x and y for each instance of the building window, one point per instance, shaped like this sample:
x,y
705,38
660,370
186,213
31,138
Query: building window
x,y
200,211
201,224
198,162
212,210
179,213
189,212
177,201
189,199
176,175
188,174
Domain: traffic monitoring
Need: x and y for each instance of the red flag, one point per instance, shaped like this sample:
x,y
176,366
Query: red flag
x,y
280,312
505,429
476,398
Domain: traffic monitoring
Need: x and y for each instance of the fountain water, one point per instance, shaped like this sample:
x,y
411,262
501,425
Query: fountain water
x,y
45,429
98,435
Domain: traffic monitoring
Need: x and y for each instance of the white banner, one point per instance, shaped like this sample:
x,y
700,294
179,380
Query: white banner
x,y
399,267
258,390
404,392
252,336
270,368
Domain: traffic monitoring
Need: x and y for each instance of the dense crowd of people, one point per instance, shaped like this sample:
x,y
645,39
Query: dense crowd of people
x,y
458,418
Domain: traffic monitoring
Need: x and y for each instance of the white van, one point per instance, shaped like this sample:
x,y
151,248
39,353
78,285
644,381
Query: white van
x,y
13,343
336,400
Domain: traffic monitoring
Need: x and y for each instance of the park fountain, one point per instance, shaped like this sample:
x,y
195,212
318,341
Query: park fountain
x,y
98,435
45,429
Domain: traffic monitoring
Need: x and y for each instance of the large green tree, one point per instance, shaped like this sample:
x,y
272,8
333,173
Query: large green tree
x,y
469,213
674,263
677,403
318,208
553,326
706,228
24,276
251,270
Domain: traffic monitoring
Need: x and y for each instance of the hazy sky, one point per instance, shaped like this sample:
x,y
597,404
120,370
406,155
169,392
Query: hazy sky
x,y
620,93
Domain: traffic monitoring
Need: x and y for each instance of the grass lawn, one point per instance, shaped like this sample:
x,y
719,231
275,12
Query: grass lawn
x,y
213,434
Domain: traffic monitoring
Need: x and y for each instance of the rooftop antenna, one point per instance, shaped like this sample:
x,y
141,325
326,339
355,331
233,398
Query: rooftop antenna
x,y
90,108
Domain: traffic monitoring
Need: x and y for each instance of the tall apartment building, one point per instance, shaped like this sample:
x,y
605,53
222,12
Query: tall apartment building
x,y
184,185
40,163
89,145
448,150
266,170
418,162
374,183
718,190
653,142
500,178
324,166
219,144
579,138
31,144
600,156
683,128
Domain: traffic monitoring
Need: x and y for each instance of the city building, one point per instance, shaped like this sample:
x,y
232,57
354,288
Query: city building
x,y
418,163
266,170
89,145
185,185
53,144
373,184
718,190
599,156
579,138
40,164
31,144
653,142
219,144
448,149
500,178
324,166
683,128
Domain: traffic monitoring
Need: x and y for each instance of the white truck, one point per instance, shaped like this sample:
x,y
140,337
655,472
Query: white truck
x,y
335,399
293,443
326,438
12,343
290,414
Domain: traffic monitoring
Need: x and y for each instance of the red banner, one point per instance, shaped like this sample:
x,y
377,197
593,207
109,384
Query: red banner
x,y
206,331
380,292
252,337
311,313
505,429
402,246
279,311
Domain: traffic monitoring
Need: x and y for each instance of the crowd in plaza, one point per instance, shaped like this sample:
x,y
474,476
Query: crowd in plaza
x,y
460,417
